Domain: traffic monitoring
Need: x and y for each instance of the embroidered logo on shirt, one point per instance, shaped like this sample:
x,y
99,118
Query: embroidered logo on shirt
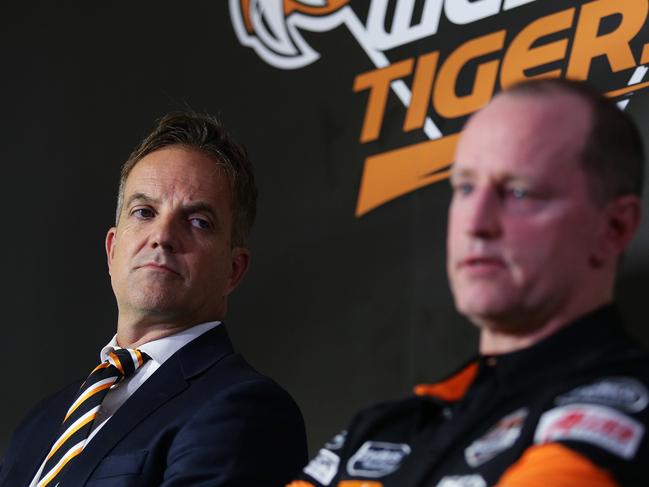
x,y
377,459
323,467
499,438
598,425
462,481
619,392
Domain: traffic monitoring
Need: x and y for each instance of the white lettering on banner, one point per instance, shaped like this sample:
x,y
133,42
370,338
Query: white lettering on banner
x,y
561,40
509,4
402,30
464,11
598,425
276,38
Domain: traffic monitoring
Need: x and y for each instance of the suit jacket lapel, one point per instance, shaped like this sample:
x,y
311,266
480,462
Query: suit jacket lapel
x,y
167,382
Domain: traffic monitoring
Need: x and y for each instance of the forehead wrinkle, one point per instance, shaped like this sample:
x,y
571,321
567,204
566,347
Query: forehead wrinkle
x,y
140,196
184,187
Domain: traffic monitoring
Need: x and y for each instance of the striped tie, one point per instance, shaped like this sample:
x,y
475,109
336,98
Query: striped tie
x,y
77,424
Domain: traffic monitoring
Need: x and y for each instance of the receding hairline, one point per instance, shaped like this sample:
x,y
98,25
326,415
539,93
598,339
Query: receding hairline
x,y
614,152
553,92
552,109
547,99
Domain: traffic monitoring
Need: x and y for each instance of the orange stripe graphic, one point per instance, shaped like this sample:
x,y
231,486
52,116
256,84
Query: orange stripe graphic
x,y
394,173
397,172
628,89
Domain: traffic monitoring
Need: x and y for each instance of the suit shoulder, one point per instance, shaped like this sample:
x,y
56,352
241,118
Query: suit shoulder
x,y
235,370
234,381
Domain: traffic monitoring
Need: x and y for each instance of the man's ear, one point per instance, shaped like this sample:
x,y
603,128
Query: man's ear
x,y
622,219
240,264
111,240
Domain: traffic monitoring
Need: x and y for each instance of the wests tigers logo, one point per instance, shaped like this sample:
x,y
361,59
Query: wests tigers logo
x,y
446,79
270,27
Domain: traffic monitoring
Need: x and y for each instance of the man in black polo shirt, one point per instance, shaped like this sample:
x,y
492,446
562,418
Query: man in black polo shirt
x,y
546,197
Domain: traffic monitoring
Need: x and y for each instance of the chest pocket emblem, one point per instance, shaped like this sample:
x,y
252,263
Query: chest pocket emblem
x,y
377,459
499,438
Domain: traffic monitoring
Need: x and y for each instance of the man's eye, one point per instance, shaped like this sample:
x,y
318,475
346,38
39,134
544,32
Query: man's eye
x,y
201,223
518,193
142,213
463,188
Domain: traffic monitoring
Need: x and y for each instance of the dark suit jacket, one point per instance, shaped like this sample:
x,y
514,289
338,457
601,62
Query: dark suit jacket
x,y
204,418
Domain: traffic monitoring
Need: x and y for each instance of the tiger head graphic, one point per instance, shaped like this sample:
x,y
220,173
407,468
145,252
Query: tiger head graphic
x,y
270,27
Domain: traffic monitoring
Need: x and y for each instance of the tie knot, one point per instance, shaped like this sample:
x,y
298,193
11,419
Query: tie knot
x,y
127,360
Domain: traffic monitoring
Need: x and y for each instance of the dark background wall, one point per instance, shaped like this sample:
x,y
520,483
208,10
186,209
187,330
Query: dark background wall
x,y
342,311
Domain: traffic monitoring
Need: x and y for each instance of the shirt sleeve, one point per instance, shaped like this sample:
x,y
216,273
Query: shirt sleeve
x,y
556,465
593,435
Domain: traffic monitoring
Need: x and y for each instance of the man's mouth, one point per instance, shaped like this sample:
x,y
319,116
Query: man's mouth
x,y
154,266
482,264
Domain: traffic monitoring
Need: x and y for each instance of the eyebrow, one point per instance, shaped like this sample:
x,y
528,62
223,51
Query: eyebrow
x,y
190,208
504,178
461,173
201,206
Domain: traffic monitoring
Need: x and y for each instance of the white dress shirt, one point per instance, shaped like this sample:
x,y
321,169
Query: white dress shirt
x,y
159,350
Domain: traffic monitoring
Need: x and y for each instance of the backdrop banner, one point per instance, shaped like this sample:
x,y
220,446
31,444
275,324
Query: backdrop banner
x,y
351,111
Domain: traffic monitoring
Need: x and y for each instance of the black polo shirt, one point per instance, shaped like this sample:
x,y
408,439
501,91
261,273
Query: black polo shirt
x,y
572,409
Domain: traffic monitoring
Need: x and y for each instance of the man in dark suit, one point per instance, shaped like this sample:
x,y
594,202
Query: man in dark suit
x,y
188,410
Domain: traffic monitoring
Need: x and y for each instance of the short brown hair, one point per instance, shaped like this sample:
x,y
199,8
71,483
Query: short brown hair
x,y
205,133
613,153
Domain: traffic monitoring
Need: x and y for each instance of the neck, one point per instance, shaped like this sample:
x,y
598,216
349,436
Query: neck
x,y
498,339
132,333
133,338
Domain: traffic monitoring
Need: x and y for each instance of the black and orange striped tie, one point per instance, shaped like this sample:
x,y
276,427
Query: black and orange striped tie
x,y
77,424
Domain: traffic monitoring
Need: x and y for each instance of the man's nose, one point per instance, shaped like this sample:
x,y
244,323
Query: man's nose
x,y
483,216
166,233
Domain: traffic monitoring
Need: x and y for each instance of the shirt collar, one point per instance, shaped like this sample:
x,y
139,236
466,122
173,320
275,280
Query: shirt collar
x,y
566,349
161,349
